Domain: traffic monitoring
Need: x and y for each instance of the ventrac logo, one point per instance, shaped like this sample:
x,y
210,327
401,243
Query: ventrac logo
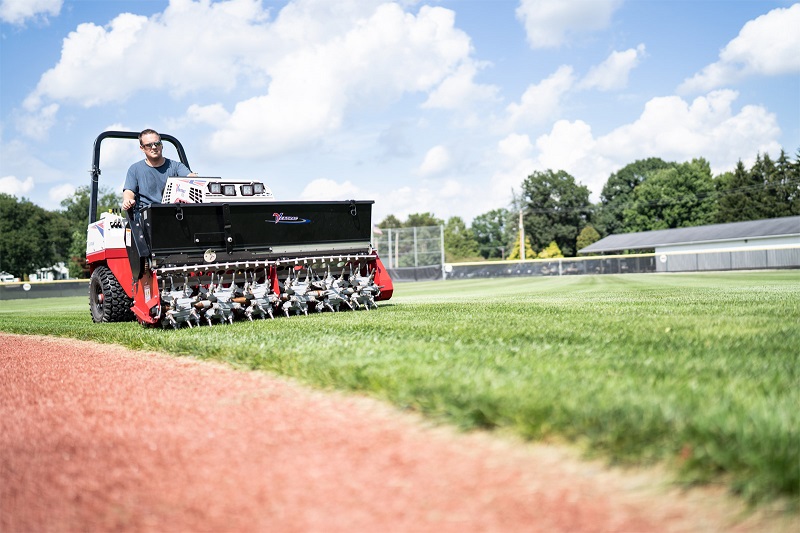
x,y
280,218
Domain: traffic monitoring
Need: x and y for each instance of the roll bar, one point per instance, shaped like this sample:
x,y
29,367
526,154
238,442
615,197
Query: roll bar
x,y
95,170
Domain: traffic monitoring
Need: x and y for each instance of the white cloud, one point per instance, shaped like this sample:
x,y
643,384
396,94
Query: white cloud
x,y
19,11
128,55
37,123
18,158
60,192
312,64
436,161
375,58
210,114
460,90
15,186
512,162
548,23
768,46
515,146
669,128
134,53
571,147
613,73
542,101
452,189
450,198
327,189
116,155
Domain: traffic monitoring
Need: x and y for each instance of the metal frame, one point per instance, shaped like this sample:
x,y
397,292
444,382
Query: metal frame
x,y
95,170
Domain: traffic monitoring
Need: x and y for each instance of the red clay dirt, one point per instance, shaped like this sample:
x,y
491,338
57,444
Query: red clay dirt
x,y
100,438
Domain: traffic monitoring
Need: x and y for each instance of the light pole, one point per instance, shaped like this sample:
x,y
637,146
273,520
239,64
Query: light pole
x,y
521,237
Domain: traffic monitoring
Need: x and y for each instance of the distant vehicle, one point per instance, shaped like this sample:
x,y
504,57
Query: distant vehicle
x,y
6,277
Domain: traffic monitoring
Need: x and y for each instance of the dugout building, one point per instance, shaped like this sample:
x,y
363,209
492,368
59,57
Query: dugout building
x,y
754,244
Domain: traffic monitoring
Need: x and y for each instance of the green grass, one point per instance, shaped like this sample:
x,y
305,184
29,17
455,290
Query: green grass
x,y
700,372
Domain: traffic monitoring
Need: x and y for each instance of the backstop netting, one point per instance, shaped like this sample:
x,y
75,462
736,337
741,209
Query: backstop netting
x,y
411,254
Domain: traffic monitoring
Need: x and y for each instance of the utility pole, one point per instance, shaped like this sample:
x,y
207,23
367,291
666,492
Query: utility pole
x,y
521,237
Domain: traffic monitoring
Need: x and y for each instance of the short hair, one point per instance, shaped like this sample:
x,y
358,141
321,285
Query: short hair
x,y
148,131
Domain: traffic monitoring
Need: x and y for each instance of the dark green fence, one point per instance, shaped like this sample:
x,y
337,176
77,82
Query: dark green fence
x,y
44,289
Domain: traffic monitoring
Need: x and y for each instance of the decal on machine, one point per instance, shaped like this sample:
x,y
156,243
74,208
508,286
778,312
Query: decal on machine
x,y
280,218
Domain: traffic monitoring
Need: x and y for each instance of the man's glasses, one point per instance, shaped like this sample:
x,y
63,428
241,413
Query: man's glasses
x,y
152,145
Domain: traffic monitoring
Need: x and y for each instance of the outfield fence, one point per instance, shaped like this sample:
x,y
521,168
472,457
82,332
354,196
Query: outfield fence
x,y
426,249
736,259
44,289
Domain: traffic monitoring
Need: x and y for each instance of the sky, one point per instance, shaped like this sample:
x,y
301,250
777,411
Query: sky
x,y
440,106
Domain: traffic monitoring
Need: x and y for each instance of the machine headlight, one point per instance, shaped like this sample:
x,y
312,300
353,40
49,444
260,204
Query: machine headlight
x,y
258,188
229,190
215,188
247,190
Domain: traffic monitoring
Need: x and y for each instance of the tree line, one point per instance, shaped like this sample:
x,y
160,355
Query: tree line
x,y
33,238
558,218
648,194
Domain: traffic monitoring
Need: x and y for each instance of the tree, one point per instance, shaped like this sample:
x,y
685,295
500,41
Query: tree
x,y
530,253
551,251
76,257
736,196
459,243
587,236
30,236
390,221
491,232
617,193
75,210
781,196
418,220
556,209
677,197
76,207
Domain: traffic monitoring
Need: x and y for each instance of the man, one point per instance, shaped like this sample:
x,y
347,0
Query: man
x,y
146,179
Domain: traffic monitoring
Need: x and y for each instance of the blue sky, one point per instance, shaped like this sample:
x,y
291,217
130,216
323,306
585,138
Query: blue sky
x,y
439,106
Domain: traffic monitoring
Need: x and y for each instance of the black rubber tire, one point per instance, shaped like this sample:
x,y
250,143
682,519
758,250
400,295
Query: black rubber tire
x,y
107,300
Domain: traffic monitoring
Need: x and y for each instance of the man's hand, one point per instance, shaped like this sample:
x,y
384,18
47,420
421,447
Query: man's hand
x,y
128,199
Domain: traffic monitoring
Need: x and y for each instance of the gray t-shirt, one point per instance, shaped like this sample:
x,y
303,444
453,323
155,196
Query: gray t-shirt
x,y
148,183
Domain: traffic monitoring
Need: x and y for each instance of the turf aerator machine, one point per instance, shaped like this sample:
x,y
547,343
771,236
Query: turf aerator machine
x,y
217,250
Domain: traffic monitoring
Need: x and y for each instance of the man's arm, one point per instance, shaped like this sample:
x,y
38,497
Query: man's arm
x,y
128,199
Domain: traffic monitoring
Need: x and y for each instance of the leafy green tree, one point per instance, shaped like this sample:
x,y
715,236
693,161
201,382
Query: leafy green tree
x,y
551,251
676,197
417,220
390,221
77,265
587,236
530,253
618,190
75,210
491,232
556,208
792,182
738,196
781,196
76,207
30,236
769,189
459,243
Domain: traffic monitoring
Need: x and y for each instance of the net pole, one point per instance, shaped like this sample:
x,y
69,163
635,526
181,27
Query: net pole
x,y
441,240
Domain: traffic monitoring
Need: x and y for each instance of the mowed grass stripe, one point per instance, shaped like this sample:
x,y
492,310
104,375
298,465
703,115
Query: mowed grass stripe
x,y
697,371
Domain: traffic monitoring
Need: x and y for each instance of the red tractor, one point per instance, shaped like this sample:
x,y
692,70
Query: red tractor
x,y
217,250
